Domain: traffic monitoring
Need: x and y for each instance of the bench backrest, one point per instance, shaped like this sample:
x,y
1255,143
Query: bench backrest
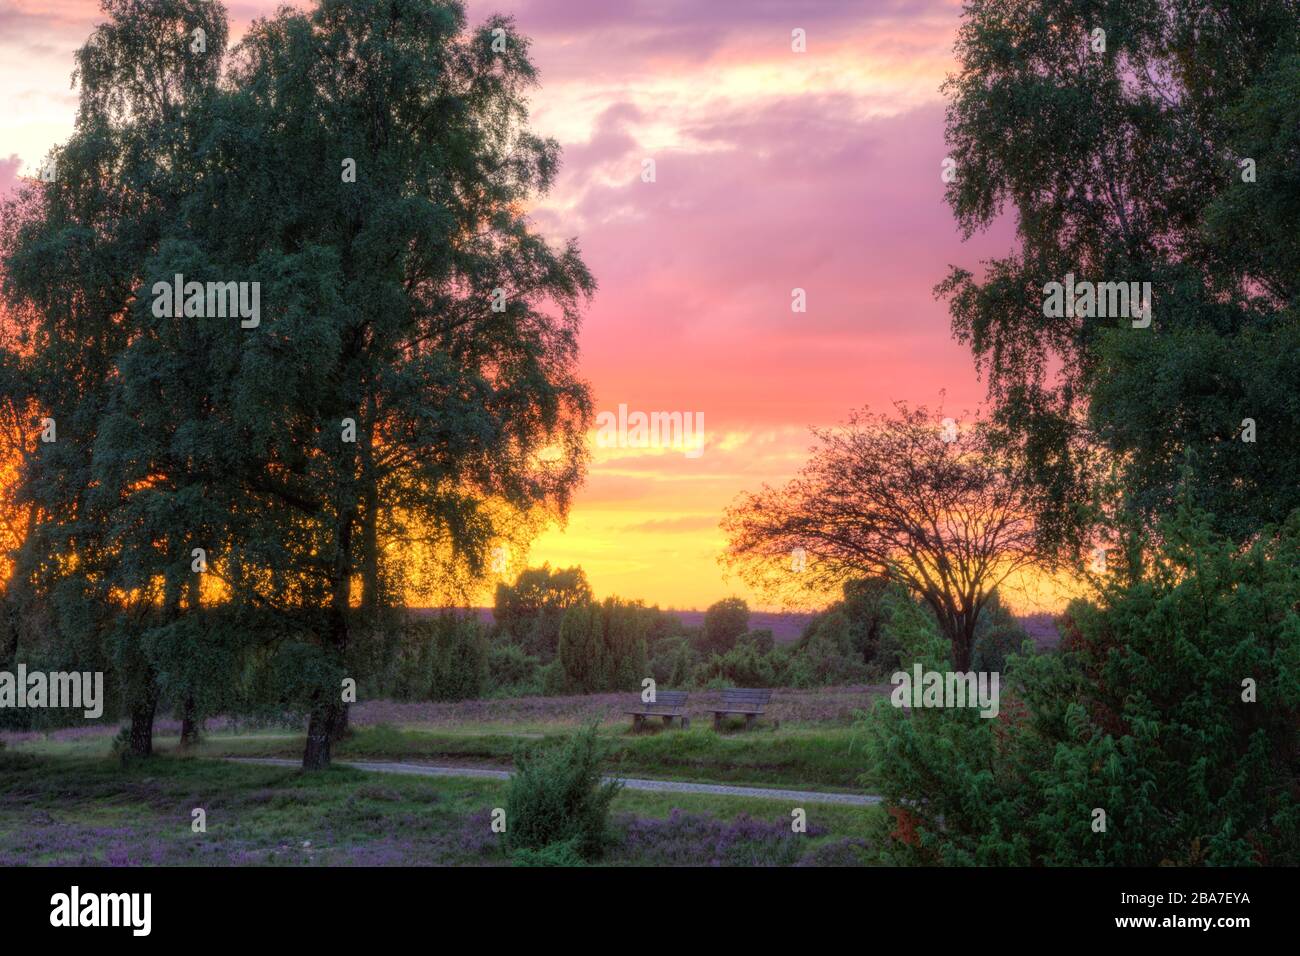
x,y
746,698
669,700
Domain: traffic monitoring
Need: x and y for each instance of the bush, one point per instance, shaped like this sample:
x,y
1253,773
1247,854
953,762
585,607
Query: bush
x,y
556,795
744,666
672,663
564,853
512,669
530,610
994,646
1144,713
822,663
555,682
445,658
724,622
581,649
998,635
603,646
869,625
623,648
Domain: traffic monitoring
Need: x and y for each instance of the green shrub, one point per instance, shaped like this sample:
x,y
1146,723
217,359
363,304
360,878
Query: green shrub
x,y
443,658
855,621
822,662
556,795
510,667
564,853
908,633
672,663
998,635
581,648
623,648
603,646
1144,713
531,609
744,666
724,622
995,645
555,682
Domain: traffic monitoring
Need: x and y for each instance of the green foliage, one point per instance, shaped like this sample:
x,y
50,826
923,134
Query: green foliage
x,y
724,622
672,662
998,635
555,682
581,652
531,609
557,795
744,666
443,658
564,853
909,633
761,640
831,651
1141,715
1120,174
603,646
822,662
854,622
181,430
512,672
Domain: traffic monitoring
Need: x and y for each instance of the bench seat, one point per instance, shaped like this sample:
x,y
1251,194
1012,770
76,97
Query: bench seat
x,y
667,704
747,702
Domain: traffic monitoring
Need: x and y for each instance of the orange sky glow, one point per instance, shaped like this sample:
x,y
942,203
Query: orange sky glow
x,y
774,170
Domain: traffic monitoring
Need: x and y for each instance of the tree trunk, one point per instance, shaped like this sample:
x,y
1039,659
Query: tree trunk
x,y
328,702
320,728
189,724
340,729
142,725
963,639
370,597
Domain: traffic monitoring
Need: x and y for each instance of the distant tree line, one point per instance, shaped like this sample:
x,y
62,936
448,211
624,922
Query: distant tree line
x,y
590,646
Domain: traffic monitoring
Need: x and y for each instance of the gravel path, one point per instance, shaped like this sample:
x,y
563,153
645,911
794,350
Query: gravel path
x,y
663,786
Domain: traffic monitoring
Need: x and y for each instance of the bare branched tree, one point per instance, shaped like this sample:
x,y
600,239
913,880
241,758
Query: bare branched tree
x,y
909,497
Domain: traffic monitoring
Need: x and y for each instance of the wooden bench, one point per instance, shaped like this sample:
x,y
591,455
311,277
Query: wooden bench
x,y
740,700
667,704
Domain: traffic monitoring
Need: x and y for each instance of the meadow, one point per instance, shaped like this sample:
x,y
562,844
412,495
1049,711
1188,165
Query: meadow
x,y
65,798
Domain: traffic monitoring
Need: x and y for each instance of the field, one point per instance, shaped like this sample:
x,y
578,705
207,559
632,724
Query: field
x,y
64,799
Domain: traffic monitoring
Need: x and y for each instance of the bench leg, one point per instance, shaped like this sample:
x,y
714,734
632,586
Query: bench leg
x,y
637,721
749,720
717,722
686,723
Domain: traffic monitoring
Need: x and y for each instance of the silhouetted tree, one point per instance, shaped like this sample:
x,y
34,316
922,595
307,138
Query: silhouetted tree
x,y
530,610
888,496
724,622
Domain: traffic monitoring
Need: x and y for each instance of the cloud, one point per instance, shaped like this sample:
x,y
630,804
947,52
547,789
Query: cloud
x,y
775,171
678,524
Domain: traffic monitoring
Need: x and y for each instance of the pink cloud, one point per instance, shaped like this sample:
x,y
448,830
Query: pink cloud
x,y
697,268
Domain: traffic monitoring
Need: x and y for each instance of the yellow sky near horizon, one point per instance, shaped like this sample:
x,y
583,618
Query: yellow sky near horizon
x,y
776,170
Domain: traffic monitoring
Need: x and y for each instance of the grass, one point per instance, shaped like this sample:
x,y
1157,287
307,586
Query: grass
x,y
803,758
830,759
88,810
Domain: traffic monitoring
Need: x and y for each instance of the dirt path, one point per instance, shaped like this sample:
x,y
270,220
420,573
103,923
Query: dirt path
x,y
632,783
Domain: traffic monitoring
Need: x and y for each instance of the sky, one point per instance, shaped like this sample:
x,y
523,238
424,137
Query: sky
x,y
774,170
